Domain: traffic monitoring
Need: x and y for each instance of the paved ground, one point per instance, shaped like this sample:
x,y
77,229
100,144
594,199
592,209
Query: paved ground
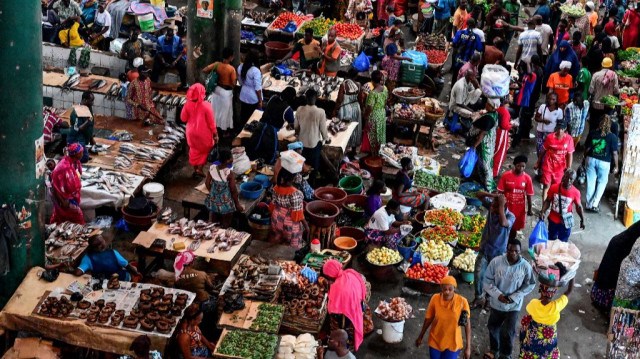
x,y
581,329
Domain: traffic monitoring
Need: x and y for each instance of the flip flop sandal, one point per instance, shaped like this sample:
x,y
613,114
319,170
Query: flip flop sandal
x,y
488,356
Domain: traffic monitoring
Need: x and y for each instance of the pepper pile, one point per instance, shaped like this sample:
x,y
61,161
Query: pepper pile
x,y
284,18
443,217
427,272
473,224
445,234
348,31
319,25
470,240
436,56
629,101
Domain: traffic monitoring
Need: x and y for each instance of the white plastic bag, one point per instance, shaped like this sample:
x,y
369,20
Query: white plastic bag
x,y
495,81
241,162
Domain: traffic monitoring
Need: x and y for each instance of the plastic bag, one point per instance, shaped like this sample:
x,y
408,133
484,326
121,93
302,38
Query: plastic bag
x,y
283,70
291,27
419,58
581,175
495,81
241,163
362,63
539,235
416,258
121,224
468,162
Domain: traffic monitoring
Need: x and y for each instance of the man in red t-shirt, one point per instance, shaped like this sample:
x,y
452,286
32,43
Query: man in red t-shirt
x,y
557,152
568,195
517,187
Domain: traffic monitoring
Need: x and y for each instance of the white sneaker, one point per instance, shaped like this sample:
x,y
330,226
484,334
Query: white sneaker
x,y
532,136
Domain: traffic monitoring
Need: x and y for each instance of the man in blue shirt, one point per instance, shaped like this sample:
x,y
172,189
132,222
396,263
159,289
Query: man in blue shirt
x,y
509,278
103,262
169,55
495,236
442,14
465,43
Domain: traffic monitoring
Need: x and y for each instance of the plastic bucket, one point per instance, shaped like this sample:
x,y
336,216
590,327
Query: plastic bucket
x,y
259,231
351,184
392,332
467,276
154,191
407,252
146,22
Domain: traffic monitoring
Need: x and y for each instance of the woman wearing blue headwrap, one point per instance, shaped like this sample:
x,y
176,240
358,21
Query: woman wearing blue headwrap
x,y
564,52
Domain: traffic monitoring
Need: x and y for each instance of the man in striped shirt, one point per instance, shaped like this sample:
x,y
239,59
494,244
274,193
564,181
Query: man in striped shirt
x,y
52,126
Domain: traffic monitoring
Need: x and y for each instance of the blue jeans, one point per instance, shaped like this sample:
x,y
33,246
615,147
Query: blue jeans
x,y
478,273
597,178
558,231
447,354
502,328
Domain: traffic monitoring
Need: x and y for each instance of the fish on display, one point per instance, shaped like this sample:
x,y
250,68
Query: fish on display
x,y
72,81
98,84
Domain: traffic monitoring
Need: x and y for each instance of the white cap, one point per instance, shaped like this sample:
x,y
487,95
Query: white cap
x,y
494,102
565,65
292,161
137,62
591,5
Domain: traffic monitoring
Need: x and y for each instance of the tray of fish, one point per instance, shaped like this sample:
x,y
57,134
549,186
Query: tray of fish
x,y
143,152
200,230
167,215
148,171
123,162
113,182
68,236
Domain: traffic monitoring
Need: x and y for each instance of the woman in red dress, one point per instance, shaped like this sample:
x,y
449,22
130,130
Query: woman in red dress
x,y
201,128
502,139
631,23
66,186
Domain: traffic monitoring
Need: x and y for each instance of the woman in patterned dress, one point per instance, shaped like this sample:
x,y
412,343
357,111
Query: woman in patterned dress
x,y
376,113
482,137
222,201
191,342
539,332
287,214
347,108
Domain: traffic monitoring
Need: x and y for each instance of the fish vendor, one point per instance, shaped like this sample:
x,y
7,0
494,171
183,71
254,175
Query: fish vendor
x,y
66,186
104,262
138,100
309,50
82,122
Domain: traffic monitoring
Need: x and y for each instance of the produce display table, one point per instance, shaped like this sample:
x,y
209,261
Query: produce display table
x,y
629,174
17,315
224,260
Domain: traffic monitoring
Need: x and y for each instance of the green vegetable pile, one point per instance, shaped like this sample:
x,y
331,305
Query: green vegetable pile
x,y
610,100
634,72
248,345
572,10
436,183
320,26
268,318
626,55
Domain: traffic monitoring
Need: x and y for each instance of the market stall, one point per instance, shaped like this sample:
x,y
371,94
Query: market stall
x,y
66,243
107,188
414,111
204,239
24,311
255,278
629,176
326,87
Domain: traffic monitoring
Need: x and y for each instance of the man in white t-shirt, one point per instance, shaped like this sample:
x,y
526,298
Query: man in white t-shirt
x,y
547,119
101,28
546,32
529,43
385,217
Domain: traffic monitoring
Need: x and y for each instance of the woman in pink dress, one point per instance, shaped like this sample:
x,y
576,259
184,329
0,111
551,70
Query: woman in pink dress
x,y
201,128
502,139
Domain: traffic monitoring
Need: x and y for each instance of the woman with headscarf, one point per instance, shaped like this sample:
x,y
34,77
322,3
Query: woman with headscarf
x,y
287,213
192,280
447,313
299,181
66,187
347,108
201,128
404,191
539,332
564,52
606,276
391,63
347,295
482,138
375,114
561,83
502,139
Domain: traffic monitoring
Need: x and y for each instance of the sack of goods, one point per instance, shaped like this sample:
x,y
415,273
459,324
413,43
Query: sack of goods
x,y
554,256
241,162
495,81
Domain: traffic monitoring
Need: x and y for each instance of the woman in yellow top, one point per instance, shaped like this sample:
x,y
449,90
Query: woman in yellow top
x,y
539,335
448,312
69,35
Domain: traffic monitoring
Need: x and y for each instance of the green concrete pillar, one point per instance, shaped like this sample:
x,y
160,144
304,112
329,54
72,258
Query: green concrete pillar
x,y
20,131
233,27
208,35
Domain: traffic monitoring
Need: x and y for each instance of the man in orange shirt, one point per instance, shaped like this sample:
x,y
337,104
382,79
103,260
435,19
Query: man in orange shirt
x,y
593,15
460,18
561,82
330,56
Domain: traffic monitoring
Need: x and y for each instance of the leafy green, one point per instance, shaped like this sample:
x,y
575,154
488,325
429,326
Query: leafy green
x,y
610,100
626,55
248,345
634,72
268,318
436,183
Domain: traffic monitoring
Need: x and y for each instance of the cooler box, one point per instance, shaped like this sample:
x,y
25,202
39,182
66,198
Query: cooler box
x,y
411,73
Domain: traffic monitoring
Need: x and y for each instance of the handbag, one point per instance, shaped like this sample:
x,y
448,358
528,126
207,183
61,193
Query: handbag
x,y
213,154
567,218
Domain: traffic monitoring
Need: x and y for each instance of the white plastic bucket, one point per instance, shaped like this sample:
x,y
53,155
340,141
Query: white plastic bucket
x,y
146,22
392,332
154,192
405,209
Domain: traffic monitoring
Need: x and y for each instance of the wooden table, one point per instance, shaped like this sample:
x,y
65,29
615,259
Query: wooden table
x,y
416,126
194,199
220,260
17,315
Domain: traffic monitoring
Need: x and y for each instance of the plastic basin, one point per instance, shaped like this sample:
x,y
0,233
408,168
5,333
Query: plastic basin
x,y
322,213
360,201
345,243
332,195
251,189
262,179
466,276
351,184
276,50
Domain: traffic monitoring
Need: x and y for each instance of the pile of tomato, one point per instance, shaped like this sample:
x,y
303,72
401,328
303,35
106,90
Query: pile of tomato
x,y
427,272
348,31
435,56
284,18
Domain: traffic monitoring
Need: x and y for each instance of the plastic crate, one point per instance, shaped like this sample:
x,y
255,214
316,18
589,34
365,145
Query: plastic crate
x,y
411,73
